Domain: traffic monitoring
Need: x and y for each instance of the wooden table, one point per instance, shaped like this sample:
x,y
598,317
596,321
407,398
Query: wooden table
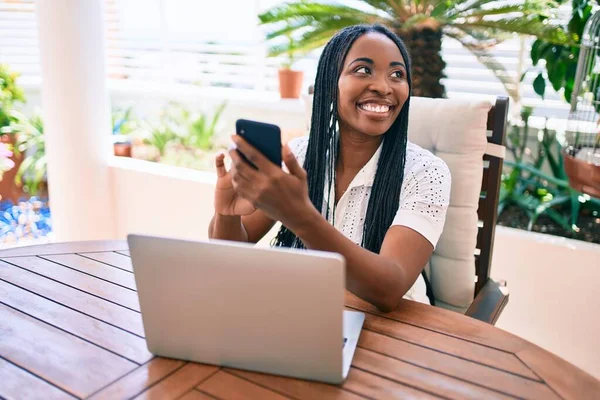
x,y
70,327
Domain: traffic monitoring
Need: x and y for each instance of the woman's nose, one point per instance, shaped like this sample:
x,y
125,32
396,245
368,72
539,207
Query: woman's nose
x,y
381,86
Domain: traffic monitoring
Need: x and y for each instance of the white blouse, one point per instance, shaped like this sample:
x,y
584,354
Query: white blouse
x,y
423,199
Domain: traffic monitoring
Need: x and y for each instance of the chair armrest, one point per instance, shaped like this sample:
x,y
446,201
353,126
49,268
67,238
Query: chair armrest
x,y
489,302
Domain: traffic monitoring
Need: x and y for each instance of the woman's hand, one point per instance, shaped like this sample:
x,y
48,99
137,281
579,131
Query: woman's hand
x,y
281,196
227,200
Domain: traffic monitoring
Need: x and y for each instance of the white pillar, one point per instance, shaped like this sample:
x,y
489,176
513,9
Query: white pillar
x,y
76,118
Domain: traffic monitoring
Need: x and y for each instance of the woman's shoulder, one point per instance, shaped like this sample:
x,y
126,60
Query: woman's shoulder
x,y
418,158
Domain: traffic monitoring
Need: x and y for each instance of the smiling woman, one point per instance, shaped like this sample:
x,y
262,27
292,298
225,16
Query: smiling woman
x,y
355,186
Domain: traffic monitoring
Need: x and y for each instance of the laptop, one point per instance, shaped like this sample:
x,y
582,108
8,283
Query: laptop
x,y
272,310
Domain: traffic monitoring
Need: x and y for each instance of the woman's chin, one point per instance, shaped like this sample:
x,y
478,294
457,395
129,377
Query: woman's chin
x,y
374,129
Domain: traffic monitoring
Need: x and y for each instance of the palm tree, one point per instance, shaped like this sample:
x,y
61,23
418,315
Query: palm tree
x,y
476,24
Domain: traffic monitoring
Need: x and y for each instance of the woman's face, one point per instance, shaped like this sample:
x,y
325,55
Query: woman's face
x,y
372,86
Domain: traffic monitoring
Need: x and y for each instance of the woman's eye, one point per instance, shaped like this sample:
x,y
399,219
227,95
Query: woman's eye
x,y
398,74
363,70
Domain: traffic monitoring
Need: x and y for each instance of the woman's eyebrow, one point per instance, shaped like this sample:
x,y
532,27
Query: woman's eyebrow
x,y
397,64
363,59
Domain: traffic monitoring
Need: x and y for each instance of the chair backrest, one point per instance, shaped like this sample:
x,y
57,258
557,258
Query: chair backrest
x,y
457,132
469,136
490,190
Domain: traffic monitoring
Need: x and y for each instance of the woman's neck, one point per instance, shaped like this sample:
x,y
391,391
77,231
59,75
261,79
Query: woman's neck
x,y
356,150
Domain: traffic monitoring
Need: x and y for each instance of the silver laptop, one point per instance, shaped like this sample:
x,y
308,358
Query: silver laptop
x,y
278,311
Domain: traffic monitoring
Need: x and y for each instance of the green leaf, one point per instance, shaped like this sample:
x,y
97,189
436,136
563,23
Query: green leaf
x,y
539,85
575,207
555,181
529,25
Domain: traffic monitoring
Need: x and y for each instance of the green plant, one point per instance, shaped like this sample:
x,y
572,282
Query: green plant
x,y
30,141
290,54
6,164
124,121
527,186
10,93
476,24
203,128
561,59
178,126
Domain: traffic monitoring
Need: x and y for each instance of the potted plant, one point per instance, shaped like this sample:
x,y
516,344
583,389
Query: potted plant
x,y
123,125
31,146
10,94
290,80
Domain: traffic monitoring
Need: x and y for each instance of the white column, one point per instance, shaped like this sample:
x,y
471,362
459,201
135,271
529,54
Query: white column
x,y
76,118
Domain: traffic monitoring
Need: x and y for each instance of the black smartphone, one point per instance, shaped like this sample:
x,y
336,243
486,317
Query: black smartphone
x,y
266,138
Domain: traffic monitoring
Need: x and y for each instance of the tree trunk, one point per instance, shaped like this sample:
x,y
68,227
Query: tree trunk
x,y
424,46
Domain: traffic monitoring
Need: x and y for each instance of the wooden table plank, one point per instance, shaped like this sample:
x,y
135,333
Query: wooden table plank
x,y
567,380
107,336
95,268
93,306
449,344
434,382
139,380
223,385
70,363
196,395
180,382
376,387
67,247
111,258
467,370
298,389
16,383
444,321
78,280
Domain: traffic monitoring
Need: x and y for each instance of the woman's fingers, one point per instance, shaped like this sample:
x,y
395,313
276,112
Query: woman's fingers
x,y
292,163
242,168
220,164
254,156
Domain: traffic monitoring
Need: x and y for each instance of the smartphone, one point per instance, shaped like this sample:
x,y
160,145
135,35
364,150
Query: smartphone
x,y
266,138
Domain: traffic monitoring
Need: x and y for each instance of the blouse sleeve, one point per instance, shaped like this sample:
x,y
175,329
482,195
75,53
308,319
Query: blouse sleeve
x,y
424,198
298,146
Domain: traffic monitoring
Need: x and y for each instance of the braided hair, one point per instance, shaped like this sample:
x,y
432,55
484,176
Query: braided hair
x,y
323,144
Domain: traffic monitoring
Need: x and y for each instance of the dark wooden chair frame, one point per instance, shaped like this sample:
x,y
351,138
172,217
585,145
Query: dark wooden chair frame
x,y
490,297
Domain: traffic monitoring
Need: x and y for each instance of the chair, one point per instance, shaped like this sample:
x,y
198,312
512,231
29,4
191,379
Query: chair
x,y
457,131
460,266
490,297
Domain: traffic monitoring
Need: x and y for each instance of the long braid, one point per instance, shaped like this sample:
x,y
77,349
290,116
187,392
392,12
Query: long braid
x,y
323,144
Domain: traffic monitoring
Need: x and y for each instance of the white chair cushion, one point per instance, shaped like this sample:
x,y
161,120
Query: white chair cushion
x,y
455,131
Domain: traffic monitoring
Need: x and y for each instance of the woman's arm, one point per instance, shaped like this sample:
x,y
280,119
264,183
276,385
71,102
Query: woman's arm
x,y
381,279
249,228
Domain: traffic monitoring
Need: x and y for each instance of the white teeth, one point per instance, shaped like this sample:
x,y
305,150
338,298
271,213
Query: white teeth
x,y
375,108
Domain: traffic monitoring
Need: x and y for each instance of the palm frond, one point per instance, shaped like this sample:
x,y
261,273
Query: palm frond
x,y
392,8
509,82
460,7
529,7
293,26
314,37
318,12
523,25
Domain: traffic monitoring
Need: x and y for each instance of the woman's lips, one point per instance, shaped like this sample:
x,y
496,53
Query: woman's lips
x,y
376,111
